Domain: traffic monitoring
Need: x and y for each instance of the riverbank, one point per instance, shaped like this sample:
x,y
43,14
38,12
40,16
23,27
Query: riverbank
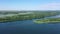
x,y
47,20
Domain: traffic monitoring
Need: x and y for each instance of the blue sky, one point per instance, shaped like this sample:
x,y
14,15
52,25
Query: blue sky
x,y
29,4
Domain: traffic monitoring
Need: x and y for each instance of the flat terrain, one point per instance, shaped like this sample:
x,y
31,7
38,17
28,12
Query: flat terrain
x,y
6,16
48,20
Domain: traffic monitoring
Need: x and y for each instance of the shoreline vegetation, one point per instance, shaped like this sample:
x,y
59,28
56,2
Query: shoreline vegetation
x,y
25,15
47,20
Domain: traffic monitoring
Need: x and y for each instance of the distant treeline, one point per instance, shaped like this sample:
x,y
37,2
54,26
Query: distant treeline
x,y
33,15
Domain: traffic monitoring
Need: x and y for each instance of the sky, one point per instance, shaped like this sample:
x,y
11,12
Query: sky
x,y
29,4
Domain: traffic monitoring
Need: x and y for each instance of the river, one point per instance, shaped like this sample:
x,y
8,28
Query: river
x,y
29,27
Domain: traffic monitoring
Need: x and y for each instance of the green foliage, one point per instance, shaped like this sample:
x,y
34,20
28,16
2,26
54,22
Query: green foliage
x,y
48,20
33,15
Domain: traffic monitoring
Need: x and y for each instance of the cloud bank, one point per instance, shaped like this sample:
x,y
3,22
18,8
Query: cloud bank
x,y
49,6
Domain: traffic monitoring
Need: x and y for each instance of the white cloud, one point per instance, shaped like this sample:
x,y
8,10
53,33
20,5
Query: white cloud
x,y
46,6
49,6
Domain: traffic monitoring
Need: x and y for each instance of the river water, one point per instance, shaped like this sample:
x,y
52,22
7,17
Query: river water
x,y
29,27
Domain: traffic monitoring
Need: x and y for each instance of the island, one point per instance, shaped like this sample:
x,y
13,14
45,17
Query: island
x,y
47,21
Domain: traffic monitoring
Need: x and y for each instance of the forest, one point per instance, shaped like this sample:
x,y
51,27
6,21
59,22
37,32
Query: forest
x,y
25,15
